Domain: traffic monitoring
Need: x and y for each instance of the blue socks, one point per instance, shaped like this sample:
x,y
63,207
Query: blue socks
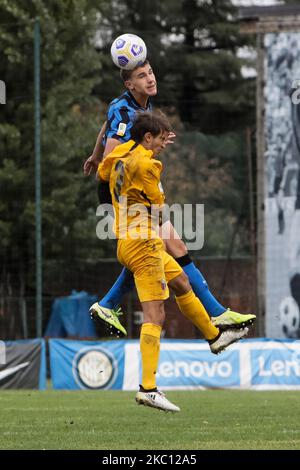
x,y
200,287
123,285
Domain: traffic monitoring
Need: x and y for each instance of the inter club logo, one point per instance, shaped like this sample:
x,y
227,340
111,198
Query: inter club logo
x,y
94,368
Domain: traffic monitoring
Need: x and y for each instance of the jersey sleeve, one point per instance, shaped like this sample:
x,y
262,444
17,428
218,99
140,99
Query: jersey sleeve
x,y
119,124
151,182
104,169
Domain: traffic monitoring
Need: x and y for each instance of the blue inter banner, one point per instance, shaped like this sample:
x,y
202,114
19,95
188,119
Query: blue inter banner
x,y
257,364
86,365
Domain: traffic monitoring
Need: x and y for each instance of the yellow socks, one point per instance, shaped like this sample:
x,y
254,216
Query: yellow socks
x,y
192,308
149,344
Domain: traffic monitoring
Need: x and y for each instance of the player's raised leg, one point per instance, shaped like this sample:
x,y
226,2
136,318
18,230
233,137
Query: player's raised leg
x,y
107,308
221,316
191,307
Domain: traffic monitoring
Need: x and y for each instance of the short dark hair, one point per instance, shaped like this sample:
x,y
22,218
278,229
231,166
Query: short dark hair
x,y
147,121
126,74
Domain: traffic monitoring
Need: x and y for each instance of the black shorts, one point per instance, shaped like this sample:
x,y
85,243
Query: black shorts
x,y
104,195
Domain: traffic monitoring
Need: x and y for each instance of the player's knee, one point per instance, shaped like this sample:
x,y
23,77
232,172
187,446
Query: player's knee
x,y
180,285
162,314
154,312
175,248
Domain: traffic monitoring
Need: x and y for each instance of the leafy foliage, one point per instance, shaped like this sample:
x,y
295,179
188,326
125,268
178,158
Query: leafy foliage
x,y
193,49
211,170
70,68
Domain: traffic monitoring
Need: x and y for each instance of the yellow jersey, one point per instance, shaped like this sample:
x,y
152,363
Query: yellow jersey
x,y
137,194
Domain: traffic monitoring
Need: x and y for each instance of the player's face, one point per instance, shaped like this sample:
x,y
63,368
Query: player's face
x,y
142,81
156,144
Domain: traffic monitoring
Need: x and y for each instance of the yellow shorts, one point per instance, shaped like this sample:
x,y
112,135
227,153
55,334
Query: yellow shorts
x,y
151,266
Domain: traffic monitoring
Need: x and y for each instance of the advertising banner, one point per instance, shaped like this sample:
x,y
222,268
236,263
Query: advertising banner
x,y
23,364
258,364
282,184
185,365
87,365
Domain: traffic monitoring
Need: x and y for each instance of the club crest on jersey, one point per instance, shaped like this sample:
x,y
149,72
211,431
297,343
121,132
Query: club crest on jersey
x,y
121,129
163,284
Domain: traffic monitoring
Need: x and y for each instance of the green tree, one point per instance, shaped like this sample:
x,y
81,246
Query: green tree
x,y
193,47
206,169
71,115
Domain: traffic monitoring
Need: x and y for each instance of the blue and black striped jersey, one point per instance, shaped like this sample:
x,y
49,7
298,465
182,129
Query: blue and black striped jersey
x,y
120,117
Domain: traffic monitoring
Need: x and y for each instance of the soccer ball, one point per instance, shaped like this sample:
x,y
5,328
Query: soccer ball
x,y
289,317
128,51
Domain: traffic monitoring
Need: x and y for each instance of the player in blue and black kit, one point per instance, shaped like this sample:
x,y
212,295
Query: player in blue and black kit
x,y
140,86
120,116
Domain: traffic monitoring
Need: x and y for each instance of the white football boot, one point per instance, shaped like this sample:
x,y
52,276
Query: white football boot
x,y
155,400
226,338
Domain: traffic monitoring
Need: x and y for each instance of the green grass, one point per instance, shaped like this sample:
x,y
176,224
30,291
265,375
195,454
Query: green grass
x,y
111,420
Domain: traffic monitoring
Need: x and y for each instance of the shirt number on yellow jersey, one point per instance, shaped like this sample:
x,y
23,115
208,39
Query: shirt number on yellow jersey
x,y
119,168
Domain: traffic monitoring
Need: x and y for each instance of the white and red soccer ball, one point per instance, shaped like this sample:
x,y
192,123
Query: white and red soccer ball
x,y
128,51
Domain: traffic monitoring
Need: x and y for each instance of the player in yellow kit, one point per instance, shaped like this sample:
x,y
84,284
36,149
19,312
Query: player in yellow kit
x,y
141,86
133,173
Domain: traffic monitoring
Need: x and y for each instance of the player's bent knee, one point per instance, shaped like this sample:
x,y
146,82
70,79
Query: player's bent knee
x,y
180,285
175,248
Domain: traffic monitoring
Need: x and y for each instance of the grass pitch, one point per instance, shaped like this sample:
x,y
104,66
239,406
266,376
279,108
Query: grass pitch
x,y
111,420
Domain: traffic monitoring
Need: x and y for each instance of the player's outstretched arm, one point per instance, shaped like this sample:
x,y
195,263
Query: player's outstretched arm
x,y
91,164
